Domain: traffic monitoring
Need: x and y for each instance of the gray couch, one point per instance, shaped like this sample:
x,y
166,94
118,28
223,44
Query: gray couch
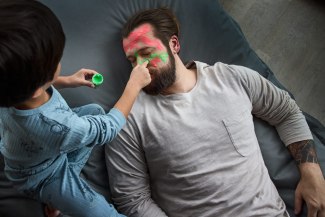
x,y
208,34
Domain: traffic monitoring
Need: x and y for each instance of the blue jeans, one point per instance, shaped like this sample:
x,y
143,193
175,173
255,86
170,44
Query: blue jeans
x,y
68,192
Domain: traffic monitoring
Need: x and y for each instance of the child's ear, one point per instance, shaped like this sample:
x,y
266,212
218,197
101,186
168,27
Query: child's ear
x,y
174,44
37,92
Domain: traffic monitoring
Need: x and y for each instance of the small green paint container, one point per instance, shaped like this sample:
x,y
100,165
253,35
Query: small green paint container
x,y
97,79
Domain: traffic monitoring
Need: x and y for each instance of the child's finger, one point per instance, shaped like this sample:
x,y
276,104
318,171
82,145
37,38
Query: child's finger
x,y
90,84
88,71
91,72
145,63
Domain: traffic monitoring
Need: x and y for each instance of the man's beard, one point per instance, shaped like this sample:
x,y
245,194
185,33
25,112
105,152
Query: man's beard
x,y
163,77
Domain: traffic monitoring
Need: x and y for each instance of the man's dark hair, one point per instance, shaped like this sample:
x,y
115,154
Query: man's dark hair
x,y
31,46
163,20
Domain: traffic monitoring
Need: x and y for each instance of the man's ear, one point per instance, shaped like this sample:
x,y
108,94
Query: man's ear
x,y
174,44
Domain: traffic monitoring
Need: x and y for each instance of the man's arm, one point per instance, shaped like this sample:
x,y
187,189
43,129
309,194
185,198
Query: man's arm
x,y
311,186
303,152
277,108
129,177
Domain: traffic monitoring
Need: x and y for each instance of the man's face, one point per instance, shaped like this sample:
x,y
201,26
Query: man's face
x,y
140,46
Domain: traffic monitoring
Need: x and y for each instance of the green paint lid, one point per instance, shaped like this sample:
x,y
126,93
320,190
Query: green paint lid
x,y
97,79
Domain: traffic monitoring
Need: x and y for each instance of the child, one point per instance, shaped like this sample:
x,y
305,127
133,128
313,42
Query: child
x,y
45,144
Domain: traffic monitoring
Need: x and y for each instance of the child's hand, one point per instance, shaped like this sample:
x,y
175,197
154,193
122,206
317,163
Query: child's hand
x,y
140,76
82,78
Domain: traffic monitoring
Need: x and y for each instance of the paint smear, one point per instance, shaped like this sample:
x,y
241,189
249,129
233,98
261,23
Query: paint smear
x,y
139,35
154,59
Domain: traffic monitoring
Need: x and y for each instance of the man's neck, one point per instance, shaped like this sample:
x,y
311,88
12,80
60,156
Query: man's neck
x,y
185,79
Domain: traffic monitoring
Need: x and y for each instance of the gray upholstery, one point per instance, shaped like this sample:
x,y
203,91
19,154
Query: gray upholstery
x,y
208,34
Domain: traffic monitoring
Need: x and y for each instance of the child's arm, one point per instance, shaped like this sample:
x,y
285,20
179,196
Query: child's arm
x,y
80,78
139,78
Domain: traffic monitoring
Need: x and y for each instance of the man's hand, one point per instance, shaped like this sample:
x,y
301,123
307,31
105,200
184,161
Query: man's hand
x,y
311,187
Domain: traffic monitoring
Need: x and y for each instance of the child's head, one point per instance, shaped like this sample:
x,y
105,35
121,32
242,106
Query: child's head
x,y
31,46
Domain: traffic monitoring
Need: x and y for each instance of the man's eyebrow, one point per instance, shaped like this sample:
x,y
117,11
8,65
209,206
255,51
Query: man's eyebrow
x,y
144,49
140,50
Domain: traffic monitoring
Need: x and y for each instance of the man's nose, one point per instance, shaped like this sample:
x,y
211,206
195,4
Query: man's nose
x,y
141,60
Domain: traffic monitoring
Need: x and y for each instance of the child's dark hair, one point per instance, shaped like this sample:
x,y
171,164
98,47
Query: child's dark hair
x,y
31,46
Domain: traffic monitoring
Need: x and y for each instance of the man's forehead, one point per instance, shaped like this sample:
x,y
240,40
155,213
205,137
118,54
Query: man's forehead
x,y
142,34
138,33
141,30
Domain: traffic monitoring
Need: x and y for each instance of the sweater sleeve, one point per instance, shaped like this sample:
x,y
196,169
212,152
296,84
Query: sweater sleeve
x,y
128,176
90,130
274,106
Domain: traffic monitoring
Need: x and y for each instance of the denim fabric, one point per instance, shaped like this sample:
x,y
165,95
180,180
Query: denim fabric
x,y
46,148
67,191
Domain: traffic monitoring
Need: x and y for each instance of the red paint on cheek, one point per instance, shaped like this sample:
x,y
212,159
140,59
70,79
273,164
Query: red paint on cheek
x,y
155,61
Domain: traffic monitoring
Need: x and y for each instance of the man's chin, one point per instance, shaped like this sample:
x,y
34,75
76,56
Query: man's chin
x,y
151,90
152,72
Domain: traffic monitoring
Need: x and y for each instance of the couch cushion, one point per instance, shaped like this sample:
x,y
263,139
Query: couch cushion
x,y
208,34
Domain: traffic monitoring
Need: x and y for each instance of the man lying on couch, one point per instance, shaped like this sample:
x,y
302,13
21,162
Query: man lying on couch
x,y
189,146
